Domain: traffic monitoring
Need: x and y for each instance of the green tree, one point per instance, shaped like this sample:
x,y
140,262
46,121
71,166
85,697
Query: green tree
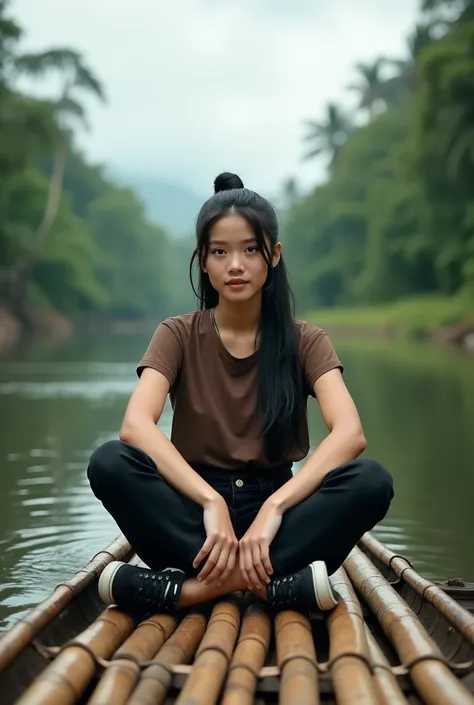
x,y
400,87
445,154
134,256
25,123
76,78
26,127
359,238
369,86
457,7
70,238
328,136
396,216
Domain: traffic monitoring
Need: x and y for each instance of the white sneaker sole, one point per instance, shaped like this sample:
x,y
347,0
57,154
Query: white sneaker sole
x,y
105,582
107,578
325,595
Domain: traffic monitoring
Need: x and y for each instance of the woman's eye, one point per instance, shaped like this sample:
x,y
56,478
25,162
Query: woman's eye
x,y
217,251
252,248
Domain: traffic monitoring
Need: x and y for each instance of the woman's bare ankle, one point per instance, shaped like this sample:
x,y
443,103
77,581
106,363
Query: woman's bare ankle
x,y
194,592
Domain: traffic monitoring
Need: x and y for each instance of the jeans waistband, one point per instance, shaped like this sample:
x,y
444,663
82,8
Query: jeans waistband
x,y
215,475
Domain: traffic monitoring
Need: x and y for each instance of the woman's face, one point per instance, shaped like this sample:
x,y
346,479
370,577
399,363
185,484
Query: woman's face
x,y
234,263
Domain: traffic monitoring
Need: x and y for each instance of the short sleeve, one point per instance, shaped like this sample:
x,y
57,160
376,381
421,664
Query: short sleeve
x,y
164,353
318,355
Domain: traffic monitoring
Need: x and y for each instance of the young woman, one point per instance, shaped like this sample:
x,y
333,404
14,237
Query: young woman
x,y
219,502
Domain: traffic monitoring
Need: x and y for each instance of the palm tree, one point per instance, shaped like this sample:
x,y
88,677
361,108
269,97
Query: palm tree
x,y
76,77
404,82
328,136
369,86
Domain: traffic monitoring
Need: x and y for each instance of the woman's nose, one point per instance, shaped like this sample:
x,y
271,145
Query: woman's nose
x,y
235,263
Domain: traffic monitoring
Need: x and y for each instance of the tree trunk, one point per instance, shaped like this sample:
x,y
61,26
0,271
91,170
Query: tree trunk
x,y
22,272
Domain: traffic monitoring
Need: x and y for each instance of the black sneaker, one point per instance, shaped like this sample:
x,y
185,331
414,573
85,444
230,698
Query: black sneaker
x,y
141,590
305,591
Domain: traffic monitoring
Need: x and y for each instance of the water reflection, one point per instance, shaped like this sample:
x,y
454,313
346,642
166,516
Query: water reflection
x,y
417,405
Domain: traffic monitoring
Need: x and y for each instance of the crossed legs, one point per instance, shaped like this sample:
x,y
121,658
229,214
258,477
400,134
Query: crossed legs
x,y
166,529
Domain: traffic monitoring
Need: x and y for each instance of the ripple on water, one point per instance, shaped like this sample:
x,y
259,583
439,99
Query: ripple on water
x,y
54,523
47,561
423,546
100,390
61,534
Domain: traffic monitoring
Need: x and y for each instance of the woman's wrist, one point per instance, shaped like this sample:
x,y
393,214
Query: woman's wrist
x,y
276,501
209,496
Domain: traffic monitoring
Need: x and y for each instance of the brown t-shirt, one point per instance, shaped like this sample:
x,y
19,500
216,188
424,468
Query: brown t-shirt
x,y
214,394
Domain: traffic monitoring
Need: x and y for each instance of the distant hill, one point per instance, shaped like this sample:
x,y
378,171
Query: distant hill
x,y
169,205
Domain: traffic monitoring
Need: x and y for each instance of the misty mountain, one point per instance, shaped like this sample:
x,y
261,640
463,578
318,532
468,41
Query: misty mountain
x,y
167,204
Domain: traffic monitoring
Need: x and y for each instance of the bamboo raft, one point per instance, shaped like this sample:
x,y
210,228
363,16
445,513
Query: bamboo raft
x,y
395,638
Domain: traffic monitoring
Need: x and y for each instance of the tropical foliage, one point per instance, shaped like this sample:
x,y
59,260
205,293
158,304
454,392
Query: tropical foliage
x,y
393,219
396,216
70,238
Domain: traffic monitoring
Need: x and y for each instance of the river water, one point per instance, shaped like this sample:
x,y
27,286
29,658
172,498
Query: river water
x,y
57,405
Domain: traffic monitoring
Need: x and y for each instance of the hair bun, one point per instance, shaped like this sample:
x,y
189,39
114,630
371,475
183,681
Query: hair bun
x,y
227,181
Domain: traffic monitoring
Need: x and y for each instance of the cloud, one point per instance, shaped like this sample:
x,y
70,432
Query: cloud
x,y
199,86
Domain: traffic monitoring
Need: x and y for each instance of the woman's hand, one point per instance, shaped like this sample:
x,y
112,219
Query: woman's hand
x,y
221,543
254,546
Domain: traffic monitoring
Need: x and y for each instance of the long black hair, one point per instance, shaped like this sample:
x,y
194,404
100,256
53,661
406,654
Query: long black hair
x,y
280,397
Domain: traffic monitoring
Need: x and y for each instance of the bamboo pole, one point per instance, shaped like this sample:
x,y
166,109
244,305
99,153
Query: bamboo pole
x,y
436,684
296,658
121,677
386,684
351,675
213,656
66,678
249,657
456,615
179,649
26,629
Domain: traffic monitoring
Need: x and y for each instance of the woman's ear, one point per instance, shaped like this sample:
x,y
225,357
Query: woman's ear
x,y
200,259
276,254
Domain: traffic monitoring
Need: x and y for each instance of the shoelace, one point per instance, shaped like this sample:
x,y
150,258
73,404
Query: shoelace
x,y
282,591
158,589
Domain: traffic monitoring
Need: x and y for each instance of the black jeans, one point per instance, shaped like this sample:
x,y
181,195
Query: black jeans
x,y
166,528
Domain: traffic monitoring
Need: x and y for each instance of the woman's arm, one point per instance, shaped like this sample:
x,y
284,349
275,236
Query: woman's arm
x,y
139,429
345,441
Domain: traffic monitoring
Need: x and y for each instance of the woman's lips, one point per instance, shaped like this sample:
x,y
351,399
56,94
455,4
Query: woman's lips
x,y
237,285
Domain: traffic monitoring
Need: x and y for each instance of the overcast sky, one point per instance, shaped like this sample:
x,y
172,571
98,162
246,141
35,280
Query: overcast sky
x,y
196,87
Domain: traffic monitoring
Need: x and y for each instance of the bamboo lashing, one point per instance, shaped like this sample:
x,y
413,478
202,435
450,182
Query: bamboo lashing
x,y
27,628
460,618
66,678
249,657
387,687
351,674
150,665
180,648
296,658
213,656
121,677
434,681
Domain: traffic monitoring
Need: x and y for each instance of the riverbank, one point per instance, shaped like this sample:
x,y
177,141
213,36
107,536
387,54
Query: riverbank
x,y
46,324
54,328
438,319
